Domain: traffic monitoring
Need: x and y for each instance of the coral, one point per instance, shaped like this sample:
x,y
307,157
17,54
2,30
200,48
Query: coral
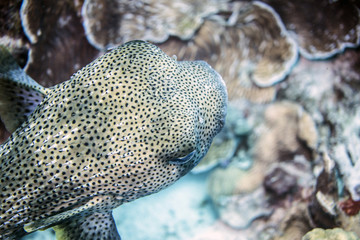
x,y
307,131
295,223
347,67
332,108
323,208
320,34
110,23
350,207
11,34
199,30
330,234
59,47
345,147
288,130
239,197
230,42
347,154
328,208
349,223
303,83
278,54
233,181
280,174
239,211
279,182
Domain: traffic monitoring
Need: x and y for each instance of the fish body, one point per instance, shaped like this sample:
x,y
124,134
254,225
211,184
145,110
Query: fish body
x,y
127,125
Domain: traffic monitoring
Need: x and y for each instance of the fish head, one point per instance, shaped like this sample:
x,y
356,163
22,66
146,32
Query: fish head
x,y
169,110
199,112
185,104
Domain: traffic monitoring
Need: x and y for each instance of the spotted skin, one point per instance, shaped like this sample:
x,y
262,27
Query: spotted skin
x,y
127,125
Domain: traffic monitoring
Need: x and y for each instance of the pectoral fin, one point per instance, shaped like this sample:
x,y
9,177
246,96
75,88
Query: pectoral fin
x,y
88,226
19,93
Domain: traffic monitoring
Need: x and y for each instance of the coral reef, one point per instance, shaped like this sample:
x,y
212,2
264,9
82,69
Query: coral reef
x,y
279,182
330,234
288,130
280,168
240,211
320,34
295,223
11,33
230,41
333,108
58,48
110,23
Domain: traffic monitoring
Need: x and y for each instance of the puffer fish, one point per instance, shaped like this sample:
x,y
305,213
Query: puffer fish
x,y
127,125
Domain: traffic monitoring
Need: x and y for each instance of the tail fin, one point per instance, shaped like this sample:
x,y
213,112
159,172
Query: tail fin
x,y
19,93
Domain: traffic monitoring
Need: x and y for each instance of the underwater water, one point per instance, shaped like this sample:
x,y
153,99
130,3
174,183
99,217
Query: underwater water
x,y
286,164
178,212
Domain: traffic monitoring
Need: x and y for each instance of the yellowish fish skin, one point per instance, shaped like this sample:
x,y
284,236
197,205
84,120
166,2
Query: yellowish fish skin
x,y
127,125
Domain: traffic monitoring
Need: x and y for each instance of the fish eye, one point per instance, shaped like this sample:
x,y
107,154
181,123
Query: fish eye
x,y
184,159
